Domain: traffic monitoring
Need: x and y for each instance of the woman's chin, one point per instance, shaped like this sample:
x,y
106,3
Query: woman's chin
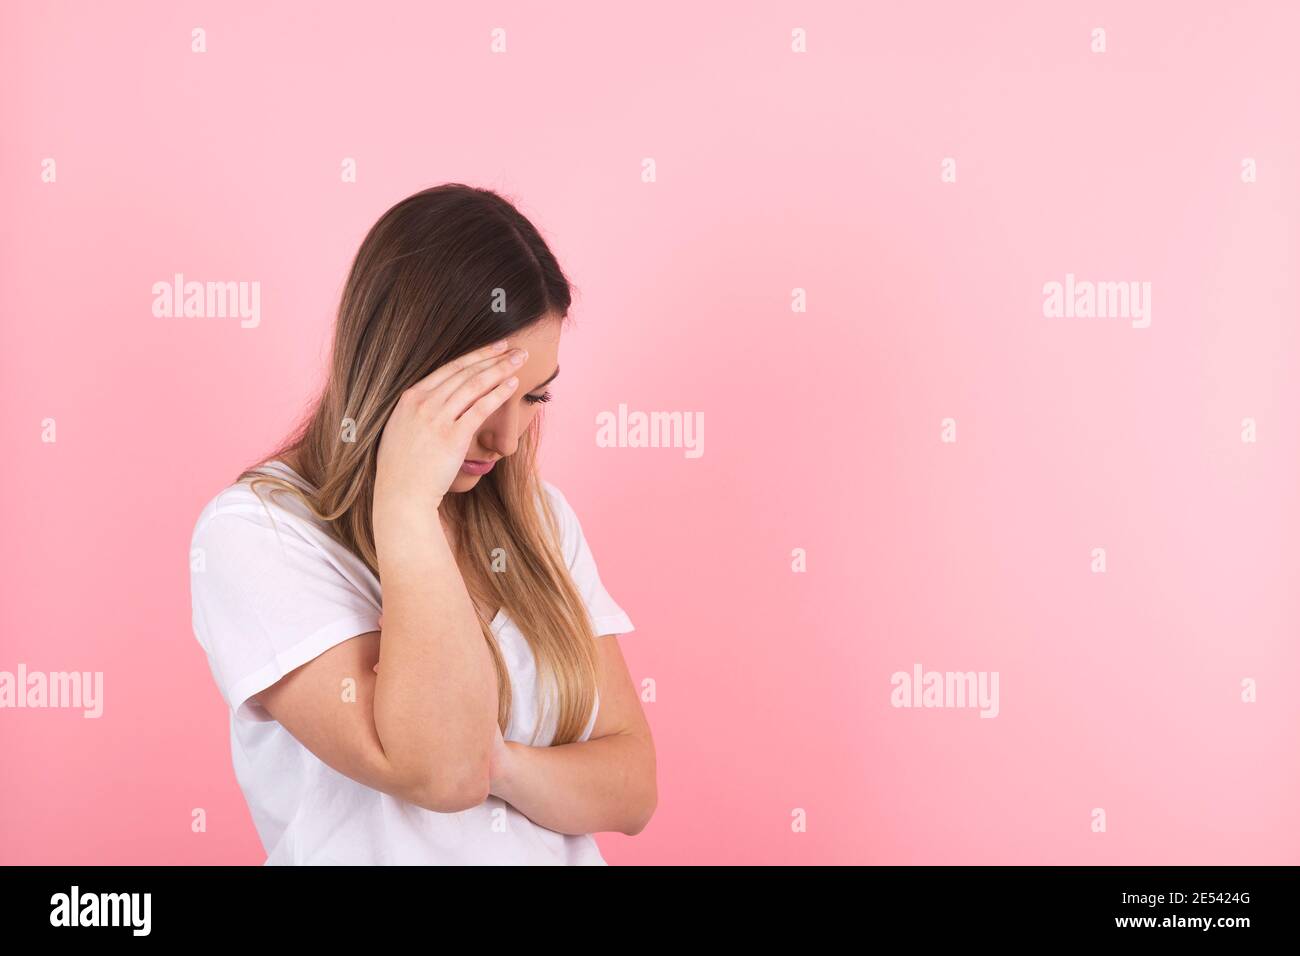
x,y
464,482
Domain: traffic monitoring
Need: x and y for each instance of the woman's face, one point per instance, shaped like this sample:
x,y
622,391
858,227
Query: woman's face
x,y
499,434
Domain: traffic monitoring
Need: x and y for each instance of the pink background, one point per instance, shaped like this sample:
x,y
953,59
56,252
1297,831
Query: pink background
x,y
775,171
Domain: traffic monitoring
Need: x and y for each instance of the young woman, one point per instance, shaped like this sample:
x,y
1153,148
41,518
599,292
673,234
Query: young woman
x,y
492,720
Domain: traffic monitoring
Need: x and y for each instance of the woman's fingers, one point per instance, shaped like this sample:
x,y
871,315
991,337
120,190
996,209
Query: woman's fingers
x,y
477,413
465,387
450,383
444,372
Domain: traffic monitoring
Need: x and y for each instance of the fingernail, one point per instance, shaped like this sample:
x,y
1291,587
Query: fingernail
x,y
498,346
517,357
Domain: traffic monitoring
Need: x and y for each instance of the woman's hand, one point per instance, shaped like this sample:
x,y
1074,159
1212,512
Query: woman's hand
x,y
500,764
425,440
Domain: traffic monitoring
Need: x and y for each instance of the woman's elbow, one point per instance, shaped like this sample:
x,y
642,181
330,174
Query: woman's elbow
x,y
456,792
444,799
647,811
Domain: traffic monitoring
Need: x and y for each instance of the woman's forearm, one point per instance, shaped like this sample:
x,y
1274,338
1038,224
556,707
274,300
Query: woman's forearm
x,y
593,786
436,693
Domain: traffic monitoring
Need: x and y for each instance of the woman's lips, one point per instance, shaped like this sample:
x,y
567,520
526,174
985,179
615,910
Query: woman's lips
x,y
472,467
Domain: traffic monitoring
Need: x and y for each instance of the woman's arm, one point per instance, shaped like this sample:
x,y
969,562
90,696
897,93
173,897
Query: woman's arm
x,y
423,731
435,700
436,694
602,784
587,787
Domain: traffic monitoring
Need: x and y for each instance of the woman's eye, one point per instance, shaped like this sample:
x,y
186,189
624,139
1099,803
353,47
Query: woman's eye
x,y
535,399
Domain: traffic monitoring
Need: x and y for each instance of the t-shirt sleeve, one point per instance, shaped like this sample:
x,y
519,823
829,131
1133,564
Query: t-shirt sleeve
x,y
606,615
266,600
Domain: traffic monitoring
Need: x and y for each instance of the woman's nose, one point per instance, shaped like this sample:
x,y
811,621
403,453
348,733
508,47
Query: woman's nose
x,y
497,443
500,434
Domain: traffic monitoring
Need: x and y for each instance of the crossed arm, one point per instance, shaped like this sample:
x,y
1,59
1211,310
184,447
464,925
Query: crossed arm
x,y
426,730
605,783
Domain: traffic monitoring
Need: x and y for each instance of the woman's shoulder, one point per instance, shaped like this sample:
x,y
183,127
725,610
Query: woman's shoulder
x,y
259,504
553,492
566,518
564,512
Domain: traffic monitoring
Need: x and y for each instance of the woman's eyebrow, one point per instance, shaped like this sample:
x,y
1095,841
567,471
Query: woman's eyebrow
x,y
548,381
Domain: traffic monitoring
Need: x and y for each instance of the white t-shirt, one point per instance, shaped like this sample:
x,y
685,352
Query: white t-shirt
x,y
268,596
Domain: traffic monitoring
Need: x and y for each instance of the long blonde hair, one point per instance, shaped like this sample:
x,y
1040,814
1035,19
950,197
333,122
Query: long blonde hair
x,y
443,272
